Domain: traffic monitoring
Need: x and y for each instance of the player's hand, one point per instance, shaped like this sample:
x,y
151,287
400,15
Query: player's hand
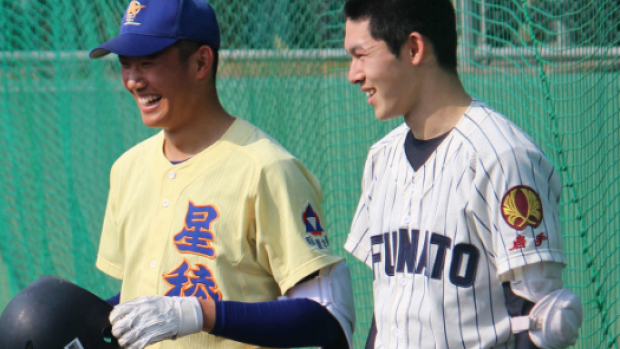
x,y
151,319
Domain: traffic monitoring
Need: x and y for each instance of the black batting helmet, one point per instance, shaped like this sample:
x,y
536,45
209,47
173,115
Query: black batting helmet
x,y
52,313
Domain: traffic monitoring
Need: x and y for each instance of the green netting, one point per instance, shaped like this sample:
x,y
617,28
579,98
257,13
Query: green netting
x,y
551,66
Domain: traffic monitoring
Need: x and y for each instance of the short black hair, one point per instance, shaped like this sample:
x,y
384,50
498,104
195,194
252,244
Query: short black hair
x,y
393,20
187,48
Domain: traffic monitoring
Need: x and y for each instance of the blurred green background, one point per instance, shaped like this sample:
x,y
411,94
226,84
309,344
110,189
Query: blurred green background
x,y
550,66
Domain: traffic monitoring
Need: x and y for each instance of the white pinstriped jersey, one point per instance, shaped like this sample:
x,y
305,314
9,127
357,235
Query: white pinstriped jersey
x,y
437,239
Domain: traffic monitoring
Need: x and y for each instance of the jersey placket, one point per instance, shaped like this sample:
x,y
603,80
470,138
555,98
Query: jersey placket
x,y
409,219
160,230
408,193
415,209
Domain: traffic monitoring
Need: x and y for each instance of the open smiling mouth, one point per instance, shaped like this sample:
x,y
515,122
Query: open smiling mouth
x,y
150,100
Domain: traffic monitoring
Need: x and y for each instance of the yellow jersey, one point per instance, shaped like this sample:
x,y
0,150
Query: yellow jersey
x,y
239,221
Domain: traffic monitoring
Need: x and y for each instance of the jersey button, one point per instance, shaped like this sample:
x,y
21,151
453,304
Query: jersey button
x,y
166,202
153,264
172,175
407,220
403,281
397,332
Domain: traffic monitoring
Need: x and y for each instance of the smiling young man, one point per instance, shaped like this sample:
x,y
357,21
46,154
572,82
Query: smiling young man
x,y
458,217
211,221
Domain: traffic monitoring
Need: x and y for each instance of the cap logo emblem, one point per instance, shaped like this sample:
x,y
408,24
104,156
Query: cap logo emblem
x,y
132,11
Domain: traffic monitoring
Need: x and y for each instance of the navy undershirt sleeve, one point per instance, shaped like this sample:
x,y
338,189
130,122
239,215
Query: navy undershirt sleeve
x,y
114,301
279,324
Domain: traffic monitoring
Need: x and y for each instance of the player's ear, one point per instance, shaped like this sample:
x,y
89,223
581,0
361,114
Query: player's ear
x,y
204,59
416,48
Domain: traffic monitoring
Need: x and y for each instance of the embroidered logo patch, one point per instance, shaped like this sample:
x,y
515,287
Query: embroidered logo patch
x,y
312,221
315,236
521,207
132,11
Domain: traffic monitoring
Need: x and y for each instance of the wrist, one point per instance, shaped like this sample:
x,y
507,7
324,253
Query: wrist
x,y
190,314
208,314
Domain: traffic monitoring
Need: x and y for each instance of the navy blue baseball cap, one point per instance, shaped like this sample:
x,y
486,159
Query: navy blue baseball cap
x,y
150,26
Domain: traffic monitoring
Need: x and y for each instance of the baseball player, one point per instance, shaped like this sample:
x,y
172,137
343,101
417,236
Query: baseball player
x,y
458,216
215,230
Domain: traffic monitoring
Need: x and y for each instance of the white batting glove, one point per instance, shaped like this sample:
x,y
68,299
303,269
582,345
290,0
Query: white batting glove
x,y
151,319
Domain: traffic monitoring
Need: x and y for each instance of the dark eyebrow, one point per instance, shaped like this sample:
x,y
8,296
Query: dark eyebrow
x,y
354,50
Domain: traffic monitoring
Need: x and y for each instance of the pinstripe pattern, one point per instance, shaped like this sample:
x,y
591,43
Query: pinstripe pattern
x,y
439,240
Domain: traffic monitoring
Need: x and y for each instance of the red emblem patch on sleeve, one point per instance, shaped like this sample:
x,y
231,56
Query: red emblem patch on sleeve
x,y
521,207
311,221
315,234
